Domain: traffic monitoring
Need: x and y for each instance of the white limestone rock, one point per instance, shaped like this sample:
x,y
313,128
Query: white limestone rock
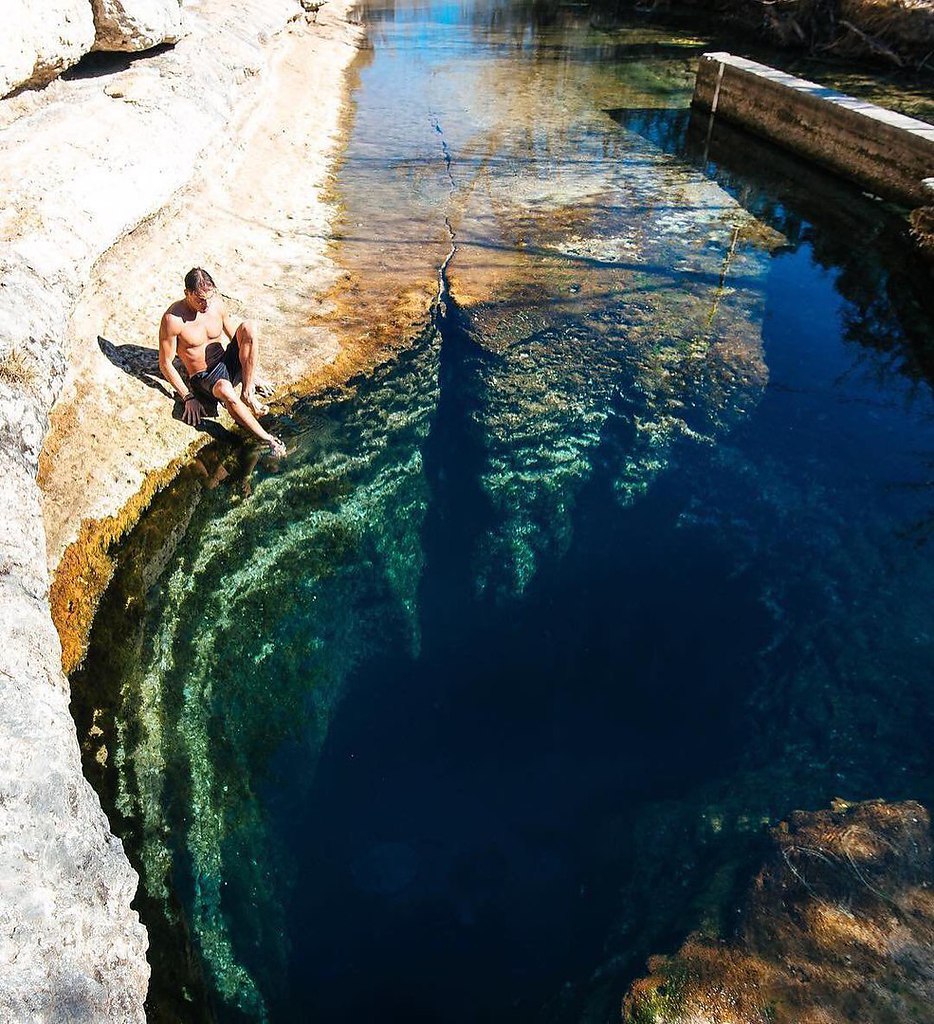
x,y
39,41
71,949
131,25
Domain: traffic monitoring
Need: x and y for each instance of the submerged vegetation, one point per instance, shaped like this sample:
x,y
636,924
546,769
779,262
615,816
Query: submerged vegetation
x,y
922,229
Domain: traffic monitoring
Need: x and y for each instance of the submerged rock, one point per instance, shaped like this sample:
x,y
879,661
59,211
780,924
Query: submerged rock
x,y
660,346
838,926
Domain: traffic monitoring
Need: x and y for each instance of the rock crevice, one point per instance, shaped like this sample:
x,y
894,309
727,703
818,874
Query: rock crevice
x,y
36,49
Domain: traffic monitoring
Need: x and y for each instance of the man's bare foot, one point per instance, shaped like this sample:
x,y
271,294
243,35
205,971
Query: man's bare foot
x,y
276,448
255,405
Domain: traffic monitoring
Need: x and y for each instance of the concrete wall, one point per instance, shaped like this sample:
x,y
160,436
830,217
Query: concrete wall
x,y
887,153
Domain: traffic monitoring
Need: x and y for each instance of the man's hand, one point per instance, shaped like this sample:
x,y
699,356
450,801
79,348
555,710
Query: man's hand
x,y
193,411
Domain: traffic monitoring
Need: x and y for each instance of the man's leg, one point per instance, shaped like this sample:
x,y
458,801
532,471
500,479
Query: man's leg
x,y
247,338
224,392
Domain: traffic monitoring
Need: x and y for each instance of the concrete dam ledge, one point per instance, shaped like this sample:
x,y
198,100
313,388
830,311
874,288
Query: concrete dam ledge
x,y
888,153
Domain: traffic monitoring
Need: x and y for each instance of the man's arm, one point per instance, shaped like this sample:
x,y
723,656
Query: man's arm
x,y
168,346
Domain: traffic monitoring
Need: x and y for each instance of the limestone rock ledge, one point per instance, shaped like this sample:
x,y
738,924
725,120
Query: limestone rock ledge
x,y
40,41
838,927
82,163
36,47
70,947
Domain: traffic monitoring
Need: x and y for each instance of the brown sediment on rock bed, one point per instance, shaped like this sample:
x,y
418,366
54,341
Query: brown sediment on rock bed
x,y
87,567
838,926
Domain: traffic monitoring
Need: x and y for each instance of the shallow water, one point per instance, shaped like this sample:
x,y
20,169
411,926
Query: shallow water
x,y
486,692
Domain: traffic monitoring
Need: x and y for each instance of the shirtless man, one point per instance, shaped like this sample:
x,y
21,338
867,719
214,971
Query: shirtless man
x,y
192,327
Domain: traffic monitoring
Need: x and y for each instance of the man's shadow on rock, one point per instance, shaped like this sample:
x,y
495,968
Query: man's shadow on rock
x,y
143,364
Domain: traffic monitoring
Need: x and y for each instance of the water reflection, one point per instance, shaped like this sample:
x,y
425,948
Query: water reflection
x,y
876,272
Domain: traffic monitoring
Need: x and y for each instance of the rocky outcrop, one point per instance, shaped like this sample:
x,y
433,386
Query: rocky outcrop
x,y
838,927
70,946
136,24
35,48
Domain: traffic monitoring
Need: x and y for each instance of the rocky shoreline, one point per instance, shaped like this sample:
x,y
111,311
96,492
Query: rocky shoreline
x,y
837,926
117,180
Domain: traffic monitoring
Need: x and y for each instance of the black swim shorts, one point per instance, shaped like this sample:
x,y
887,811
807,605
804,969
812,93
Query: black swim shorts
x,y
226,368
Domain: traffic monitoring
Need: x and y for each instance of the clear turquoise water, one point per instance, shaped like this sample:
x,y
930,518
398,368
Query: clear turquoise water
x,y
487,691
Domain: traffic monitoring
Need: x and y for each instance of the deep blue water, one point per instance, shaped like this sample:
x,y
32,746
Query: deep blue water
x,y
469,793
623,555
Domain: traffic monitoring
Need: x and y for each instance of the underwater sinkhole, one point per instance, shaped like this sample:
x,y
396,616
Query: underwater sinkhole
x,y
486,692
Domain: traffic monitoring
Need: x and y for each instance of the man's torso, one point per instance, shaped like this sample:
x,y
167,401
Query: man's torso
x,y
199,336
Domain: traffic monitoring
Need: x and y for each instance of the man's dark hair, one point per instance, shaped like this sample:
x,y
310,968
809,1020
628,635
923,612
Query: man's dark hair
x,y
197,279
